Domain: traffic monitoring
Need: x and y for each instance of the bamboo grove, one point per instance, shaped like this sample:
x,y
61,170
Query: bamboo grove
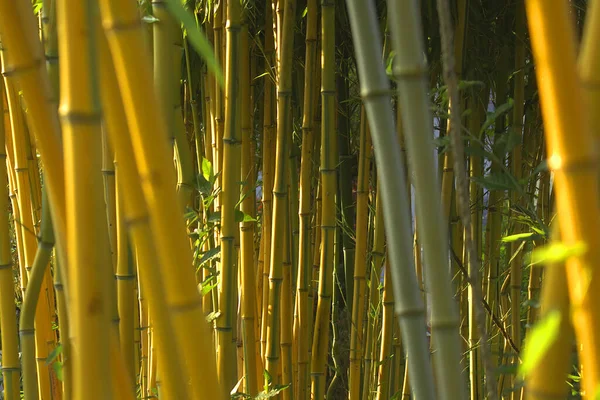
x,y
299,199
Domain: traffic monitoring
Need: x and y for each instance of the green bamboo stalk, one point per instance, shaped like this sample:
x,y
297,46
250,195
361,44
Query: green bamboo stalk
x,y
26,321
357,338
277,245
230,193
304,269
410,72
328,174
375,92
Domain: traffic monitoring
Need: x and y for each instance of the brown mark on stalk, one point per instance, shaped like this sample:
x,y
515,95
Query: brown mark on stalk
x,y
462,189
96,305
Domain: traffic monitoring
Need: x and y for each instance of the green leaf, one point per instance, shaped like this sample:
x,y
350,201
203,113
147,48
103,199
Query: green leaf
x,y
475,149
37,6
542,167
390,63
493,116
271,392
234,391
214,216
207,170
241,216
149,19
53,354
496,182
57,366
209,255
463,85
442,143
304,12
267,379
203,185
197,38
542,336
209,284
556,252
518,237
212,316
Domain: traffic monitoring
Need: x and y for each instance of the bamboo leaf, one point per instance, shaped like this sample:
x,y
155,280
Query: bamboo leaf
x,y
203,185
149,19
496,182
212,316
214,216
53,354
493,116
207,170
557,252
57,366
197,38
541,337
209,255
519,237
37,6
208,285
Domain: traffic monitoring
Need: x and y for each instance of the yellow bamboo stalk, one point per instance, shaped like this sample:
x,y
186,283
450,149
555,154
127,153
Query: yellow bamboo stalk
x,y
329,188
250,327
549,380
301,333
126,282
230,192
108,175
80,119
148,136
269,132
572,157
27,230
8,328
135,214
167,42
18,29
357,338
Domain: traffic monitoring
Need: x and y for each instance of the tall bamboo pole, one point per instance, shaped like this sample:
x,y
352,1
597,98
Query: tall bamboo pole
x,y
329,189
375,92
548,380
357,338
88,258
230,194
571,156
148,135
410,70
8,326
135,215
277,245
17,24
304,255
247,228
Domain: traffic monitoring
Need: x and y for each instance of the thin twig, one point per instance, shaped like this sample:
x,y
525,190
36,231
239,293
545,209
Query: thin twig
x,y
487,307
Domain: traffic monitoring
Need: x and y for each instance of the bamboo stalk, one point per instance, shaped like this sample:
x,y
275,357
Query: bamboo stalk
x,y
230,193
89,303
8,326
572,159
18,36
148,135
375,92
135,218
302,330
280,215
357,339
